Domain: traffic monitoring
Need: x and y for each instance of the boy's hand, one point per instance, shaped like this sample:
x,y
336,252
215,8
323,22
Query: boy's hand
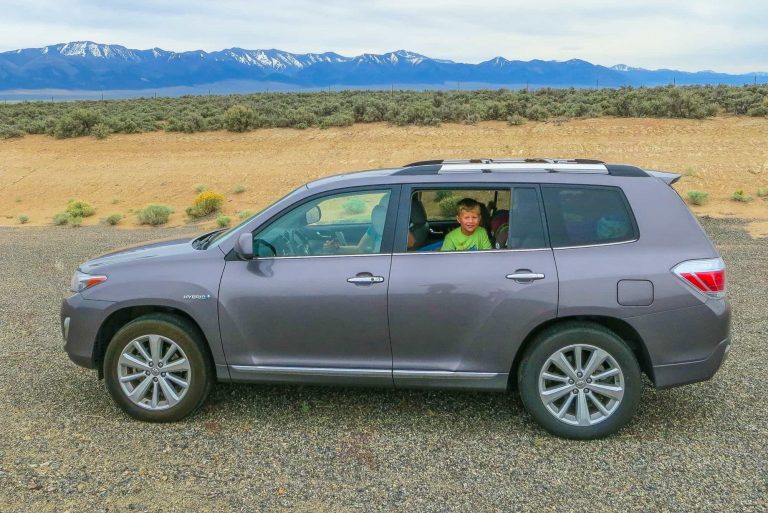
x,y
331,245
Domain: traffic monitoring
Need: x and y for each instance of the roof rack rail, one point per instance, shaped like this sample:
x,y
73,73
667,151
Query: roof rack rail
x,y
535,160
424,163
523,165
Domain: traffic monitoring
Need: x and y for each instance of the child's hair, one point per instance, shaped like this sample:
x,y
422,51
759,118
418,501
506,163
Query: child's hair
x,y
468,204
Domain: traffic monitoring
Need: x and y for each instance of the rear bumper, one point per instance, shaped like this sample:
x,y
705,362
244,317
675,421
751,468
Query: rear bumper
x,y
676,374
80,322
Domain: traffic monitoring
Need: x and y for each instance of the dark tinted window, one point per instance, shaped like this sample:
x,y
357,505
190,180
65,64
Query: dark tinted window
x,y
579,216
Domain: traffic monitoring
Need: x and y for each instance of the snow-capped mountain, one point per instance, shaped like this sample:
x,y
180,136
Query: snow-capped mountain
x,y
88,65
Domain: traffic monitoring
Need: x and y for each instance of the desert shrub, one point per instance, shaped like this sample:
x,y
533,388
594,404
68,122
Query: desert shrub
x,y
61,218
113,219
354,206
10,132
422,113
300,118
690,171
697,197
245,214
100,131
762,192
80,208
537,113
239,118
302,110
188,123
449,206
741,196
206,203
515,120
441,195
154,215
78,123
75,221
337,119
223,221
239,189
23,219
200,187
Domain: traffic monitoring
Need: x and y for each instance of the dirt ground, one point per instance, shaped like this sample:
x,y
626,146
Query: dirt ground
x,y
123,173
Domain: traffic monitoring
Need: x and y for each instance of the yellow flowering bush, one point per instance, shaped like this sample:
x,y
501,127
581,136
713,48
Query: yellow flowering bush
x,y
206,203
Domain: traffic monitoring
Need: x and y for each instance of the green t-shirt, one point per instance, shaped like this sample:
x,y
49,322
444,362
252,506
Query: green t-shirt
x,y
457,241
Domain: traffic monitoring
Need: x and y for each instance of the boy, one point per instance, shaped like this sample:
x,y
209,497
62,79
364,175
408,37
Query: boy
x,y
469,236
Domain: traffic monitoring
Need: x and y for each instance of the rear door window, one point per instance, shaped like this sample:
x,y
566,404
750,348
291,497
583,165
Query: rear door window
x,y
511,218
587,215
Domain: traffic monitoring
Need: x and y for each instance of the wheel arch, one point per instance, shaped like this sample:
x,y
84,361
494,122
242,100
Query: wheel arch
x,y
618,326
123,316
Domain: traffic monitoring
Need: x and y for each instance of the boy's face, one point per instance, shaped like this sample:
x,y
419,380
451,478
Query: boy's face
x,y
469,220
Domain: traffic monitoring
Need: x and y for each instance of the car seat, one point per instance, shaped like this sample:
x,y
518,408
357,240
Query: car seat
x,y
418,226
499,229
378,219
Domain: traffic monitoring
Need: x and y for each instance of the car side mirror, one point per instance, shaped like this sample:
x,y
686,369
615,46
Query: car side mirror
x,y
313,215
244,246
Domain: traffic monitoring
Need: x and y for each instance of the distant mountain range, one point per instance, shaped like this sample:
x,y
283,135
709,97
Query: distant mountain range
x,y
89,66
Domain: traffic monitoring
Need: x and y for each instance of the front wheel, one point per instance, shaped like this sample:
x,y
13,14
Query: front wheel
x,y
156,369
580,381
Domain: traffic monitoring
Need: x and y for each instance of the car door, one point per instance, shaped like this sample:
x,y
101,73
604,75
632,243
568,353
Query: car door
x,y
458,318
312,305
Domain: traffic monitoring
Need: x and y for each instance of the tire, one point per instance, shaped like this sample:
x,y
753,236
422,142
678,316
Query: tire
x,y
159,395
558,397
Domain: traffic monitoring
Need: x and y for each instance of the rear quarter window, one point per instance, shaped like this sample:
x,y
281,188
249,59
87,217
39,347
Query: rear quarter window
x,y
587,215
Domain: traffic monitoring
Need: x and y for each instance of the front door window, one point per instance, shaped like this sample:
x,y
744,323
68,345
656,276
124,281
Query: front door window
x,y
349,224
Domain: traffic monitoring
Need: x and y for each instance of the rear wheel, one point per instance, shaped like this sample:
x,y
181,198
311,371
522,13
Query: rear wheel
x,y
580,380
157,370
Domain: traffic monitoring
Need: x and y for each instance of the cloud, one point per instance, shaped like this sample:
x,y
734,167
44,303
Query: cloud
x,y
688,34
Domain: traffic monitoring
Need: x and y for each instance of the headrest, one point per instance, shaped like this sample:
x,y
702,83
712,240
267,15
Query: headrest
x,y
418,214
378,218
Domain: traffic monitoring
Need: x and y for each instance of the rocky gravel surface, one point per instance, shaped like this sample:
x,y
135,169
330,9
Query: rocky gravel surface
x,y
64,446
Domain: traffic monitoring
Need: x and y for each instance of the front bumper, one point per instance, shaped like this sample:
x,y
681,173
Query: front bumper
x,y
676,374
80,322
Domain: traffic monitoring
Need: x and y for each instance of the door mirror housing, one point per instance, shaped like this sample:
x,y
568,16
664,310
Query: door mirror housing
x,y
244,246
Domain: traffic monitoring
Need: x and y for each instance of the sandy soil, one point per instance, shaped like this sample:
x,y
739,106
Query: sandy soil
x,y
123,173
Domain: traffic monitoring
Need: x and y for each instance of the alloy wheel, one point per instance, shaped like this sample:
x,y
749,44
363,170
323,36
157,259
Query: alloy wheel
x,y
581,385
154,372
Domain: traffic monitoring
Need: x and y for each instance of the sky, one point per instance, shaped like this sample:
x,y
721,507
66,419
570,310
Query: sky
x,y
687,35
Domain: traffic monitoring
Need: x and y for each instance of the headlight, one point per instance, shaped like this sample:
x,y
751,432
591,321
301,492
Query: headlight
x,y
82,281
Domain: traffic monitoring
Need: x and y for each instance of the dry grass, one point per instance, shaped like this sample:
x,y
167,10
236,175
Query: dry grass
x,y
717,156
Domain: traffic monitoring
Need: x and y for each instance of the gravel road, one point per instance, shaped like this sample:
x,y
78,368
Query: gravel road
x,y
64,446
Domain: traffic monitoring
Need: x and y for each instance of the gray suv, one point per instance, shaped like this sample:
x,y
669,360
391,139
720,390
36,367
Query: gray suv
x,y
564,279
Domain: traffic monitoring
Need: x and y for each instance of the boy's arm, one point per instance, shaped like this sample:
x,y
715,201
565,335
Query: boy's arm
x,y
485,241
448,244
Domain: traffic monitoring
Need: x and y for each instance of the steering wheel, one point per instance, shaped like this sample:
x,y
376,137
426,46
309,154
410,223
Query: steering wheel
x,y
339,236
297,242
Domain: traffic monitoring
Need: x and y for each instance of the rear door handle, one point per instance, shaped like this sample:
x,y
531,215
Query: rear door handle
x,y
365,279
525,276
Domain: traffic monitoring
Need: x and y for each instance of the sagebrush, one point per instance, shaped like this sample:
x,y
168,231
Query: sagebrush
x,y
328,109
154,215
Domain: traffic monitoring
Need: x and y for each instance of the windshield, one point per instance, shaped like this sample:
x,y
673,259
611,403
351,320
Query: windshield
x,y
222,235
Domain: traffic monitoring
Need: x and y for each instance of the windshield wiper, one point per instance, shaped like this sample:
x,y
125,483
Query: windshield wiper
x,y
202,242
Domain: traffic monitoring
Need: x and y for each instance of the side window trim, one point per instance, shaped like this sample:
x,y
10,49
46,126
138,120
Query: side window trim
x,y
389,224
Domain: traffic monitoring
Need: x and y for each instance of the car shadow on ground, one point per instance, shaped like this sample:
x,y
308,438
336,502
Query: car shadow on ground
x,y
296,406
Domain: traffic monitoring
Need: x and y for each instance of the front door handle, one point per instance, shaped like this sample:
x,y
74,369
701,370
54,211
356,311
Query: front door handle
x,y
365,279
525,276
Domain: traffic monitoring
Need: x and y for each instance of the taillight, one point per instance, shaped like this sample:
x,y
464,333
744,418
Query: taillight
x,y
706,276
